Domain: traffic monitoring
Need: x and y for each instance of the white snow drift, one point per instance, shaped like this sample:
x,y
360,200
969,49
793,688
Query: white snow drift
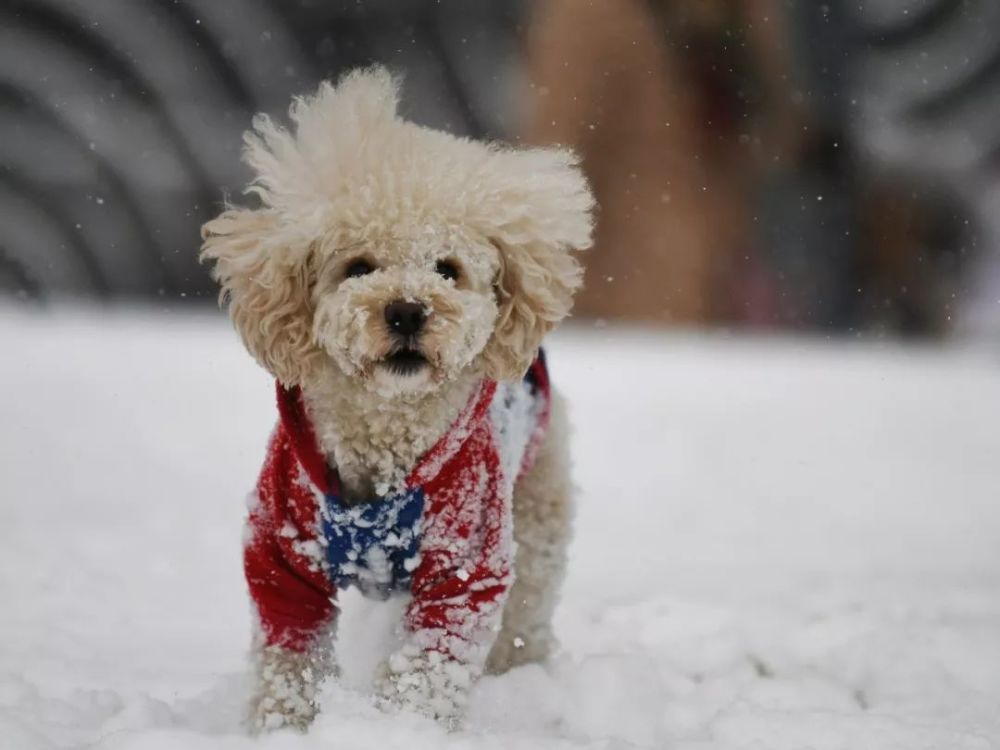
x,y
780,544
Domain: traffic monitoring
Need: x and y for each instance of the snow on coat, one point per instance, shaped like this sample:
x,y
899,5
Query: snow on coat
x,y
446,535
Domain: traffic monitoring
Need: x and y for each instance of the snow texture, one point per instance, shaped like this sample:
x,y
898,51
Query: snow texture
x,y
779,544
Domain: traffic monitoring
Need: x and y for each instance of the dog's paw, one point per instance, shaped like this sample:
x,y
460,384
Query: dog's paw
x,y
269,712
512,651
426,682
286,693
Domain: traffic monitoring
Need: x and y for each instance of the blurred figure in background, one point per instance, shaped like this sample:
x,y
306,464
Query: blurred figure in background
x,y
722,140
775,163
677,109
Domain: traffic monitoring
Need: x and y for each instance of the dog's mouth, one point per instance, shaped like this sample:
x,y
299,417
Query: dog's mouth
x,y
405,362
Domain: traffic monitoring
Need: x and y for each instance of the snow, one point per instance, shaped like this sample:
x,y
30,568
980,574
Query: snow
x,y
781,543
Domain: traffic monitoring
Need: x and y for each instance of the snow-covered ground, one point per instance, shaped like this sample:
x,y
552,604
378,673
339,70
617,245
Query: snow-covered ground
x,y
780,544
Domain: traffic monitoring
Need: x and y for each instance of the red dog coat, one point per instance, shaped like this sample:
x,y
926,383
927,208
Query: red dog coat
x,y
446,536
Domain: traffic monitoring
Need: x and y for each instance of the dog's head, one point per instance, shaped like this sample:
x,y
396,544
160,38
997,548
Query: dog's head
x,y
398,254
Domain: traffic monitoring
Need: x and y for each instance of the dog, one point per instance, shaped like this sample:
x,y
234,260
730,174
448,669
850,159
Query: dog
x,y
397,282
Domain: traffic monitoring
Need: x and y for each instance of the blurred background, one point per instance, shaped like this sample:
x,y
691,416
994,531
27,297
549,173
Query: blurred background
x,y
824,166
780,541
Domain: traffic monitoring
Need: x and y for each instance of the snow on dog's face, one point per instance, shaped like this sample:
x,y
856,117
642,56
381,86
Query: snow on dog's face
x,y
395,253
407,314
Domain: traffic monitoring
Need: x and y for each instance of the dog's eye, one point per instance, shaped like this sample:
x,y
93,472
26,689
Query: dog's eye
x,y
447,269
358,268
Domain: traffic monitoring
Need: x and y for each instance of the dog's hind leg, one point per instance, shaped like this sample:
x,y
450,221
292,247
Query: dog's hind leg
x,y
542,517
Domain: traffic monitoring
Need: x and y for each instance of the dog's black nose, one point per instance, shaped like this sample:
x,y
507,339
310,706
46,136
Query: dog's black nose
x,y
405,318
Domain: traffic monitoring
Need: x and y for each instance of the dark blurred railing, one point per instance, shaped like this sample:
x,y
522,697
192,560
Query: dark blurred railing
x,y
121,119
932,78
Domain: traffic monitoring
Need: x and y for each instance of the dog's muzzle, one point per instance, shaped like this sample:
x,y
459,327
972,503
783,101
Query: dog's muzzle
x,y
406,321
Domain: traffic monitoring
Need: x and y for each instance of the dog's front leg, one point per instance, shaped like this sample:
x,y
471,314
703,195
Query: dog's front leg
x,y
292,651
459,587
452,624
425,681
287,684
433,672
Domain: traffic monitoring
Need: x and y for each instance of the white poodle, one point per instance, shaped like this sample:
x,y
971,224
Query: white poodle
x,y
397,281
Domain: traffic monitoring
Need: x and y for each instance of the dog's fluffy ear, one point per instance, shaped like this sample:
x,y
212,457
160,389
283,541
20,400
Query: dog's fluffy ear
x,y
266,283
539,218
263,258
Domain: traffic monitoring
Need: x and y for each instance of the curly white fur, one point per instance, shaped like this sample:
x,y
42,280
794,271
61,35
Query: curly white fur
x,y
353,182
